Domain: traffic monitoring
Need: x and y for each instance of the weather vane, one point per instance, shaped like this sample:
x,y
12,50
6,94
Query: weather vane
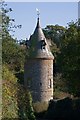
x,y
38,12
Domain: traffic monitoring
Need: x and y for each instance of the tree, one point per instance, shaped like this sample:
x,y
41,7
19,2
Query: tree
x,y
16,103
7,23
12,53
69,58
54,33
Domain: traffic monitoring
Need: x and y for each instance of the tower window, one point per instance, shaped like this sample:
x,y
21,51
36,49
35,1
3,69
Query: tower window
x,y
49,84
43,44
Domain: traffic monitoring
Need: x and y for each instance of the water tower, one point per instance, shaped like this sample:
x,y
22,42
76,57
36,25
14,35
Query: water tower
x,y
38,68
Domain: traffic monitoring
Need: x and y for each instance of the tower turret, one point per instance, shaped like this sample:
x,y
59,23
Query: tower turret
x,y
39,47
38,70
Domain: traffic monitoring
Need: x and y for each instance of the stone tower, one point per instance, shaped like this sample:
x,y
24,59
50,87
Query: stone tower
x,y
38,68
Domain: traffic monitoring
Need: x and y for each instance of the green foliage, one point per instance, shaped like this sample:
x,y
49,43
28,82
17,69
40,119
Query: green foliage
x,y
69,58
8,24
17,102
54,33
7,74
40,106
9,96
54,49
66,50
13,54
25,105
30,110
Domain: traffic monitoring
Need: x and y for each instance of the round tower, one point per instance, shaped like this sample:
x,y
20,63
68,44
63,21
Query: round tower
x,y
38,68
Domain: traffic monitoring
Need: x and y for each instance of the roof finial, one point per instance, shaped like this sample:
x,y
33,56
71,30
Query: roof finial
x,y
38,12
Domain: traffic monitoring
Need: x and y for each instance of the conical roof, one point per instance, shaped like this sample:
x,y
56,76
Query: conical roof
x,y
39,47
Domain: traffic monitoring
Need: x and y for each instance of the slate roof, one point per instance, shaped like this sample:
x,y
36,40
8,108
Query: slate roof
x,y
39,47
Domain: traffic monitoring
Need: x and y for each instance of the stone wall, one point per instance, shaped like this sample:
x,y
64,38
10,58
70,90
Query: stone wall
x,y
38,78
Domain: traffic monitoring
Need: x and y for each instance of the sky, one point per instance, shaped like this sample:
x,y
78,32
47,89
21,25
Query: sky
x,y
51,13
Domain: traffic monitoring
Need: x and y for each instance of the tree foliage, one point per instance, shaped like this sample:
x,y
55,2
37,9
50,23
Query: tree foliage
x,y
13,54
66,50
65,45
69,58
54,33
8,24
9,94
16,101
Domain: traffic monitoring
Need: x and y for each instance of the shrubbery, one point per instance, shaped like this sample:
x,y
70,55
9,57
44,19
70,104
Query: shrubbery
x,y
9,94
40,106
16,101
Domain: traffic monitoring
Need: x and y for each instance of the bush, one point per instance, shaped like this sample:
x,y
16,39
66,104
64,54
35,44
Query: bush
x,y
16,101
7,74
9,95
63,109
40,106
40,109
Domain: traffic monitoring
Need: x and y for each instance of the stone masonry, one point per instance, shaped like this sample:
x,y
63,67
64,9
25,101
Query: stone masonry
x,y
38,68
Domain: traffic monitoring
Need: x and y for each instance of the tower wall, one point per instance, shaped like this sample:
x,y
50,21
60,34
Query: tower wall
x,y
38,78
